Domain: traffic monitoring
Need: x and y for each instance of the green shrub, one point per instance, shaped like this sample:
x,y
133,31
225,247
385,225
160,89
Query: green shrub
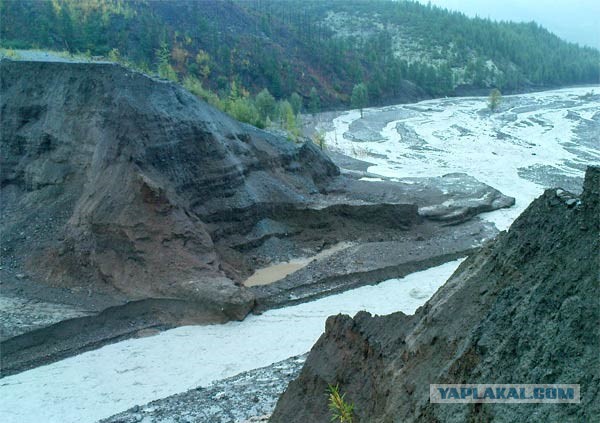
x,y
319,139
340,409
494,99
244,110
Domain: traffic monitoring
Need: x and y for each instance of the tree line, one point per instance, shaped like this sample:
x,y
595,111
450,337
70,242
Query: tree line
x,y
290,47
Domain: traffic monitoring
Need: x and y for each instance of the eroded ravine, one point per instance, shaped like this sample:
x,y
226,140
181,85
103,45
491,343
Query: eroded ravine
x,y
120,186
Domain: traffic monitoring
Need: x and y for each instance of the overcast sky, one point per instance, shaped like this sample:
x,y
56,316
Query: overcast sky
x,y
574,20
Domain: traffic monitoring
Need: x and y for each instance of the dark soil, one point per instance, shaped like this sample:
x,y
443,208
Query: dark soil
x,y
524,309
125,193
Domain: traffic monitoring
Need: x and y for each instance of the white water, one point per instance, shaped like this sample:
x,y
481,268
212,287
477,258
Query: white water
x,y
535,136
103,382
100,383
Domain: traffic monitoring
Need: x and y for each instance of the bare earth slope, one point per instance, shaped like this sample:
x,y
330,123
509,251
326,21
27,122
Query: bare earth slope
x,y
525,309
116,169
120,190
115,182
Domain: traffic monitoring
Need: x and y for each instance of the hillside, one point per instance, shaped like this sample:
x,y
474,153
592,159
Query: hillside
x,y
123,183
122,186
402,51
524,309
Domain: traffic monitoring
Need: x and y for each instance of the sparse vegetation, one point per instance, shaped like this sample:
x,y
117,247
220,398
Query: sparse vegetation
x,y
114,55
494,99
319,140
360,97
288,120
266,104
9,53
244,110
260,111
193,85
165,70
296,103
341,410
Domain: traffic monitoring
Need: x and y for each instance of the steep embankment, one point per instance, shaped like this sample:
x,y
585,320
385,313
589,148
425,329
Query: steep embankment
x,y
109,177
122,190
114,182
525,309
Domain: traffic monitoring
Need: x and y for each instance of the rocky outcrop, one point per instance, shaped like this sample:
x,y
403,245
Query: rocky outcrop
x,y
524,309
451,199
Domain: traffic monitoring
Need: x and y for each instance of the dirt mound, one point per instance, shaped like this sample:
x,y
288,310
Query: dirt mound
x,y
110,177
524,309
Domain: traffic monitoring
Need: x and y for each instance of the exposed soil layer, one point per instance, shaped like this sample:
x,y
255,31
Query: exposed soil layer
x,y
124,191
524,309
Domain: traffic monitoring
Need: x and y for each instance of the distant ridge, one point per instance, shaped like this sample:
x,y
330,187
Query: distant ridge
x,y
403,51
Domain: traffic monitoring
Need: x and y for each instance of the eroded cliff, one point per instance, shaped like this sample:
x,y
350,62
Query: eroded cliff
x,y
109,179
524,309
116,183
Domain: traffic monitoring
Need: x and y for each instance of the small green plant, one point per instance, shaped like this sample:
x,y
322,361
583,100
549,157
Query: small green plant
x,y
341,410
494,99
10,53
165,70
288,120
319,140
360,97
114,55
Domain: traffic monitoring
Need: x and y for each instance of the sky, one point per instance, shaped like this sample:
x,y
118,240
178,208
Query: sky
x,y
577,21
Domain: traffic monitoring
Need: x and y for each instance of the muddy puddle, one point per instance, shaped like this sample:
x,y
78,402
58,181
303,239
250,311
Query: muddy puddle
x,y
278,271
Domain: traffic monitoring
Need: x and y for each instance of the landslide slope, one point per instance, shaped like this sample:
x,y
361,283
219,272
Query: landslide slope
x,y
119,184
109,176
524,309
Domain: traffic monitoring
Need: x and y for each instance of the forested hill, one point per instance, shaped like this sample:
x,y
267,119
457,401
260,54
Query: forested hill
x,y
398,49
